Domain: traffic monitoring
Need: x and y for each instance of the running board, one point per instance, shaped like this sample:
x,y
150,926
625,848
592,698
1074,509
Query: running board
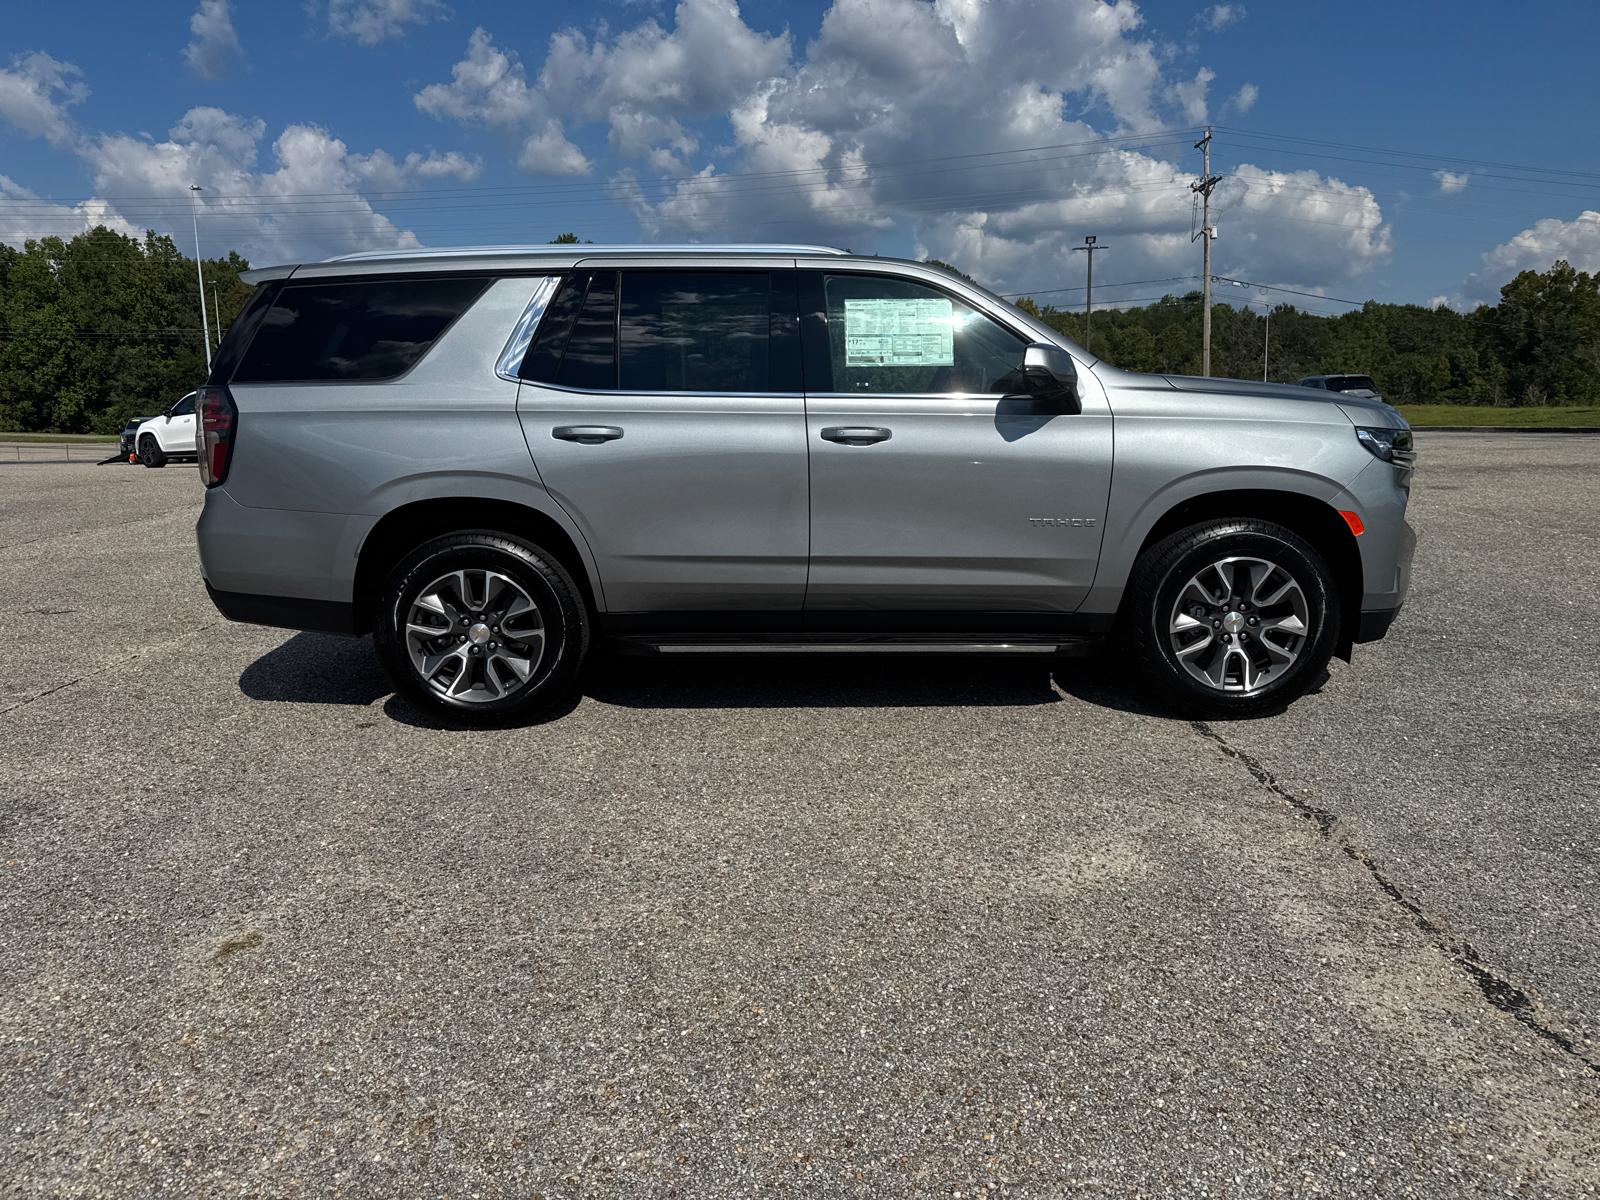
x,y
1060,647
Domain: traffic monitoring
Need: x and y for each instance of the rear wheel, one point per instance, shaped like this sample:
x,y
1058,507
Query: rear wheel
x,y
481,628
1232,618
150,452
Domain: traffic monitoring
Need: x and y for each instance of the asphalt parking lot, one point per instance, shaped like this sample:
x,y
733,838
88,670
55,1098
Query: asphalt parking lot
x,y
940,929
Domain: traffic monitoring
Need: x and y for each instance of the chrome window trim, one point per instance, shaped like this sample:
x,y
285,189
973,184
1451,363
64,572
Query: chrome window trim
x,y
510,360
556,387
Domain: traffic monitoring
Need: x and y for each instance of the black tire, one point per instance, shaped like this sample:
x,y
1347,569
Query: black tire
x,y
462,693
1170,570
150,452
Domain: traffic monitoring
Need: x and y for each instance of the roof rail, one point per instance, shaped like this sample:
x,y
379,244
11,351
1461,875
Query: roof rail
x,y
583,248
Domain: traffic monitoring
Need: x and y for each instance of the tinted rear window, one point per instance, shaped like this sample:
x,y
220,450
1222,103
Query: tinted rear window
x,y
370,330
591,359
1351,383
237,340
695,331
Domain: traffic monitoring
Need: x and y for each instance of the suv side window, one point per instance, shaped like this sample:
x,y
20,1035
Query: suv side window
x,y
346,330
184,407
889,335
670,331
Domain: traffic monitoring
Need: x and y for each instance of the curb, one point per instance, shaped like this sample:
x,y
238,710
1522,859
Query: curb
x,y
1505,429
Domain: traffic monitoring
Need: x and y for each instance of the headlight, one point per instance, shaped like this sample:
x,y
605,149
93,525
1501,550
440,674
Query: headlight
x,y
1391,445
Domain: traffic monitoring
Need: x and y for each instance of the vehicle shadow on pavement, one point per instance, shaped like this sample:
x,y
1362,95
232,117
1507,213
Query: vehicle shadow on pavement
x,y
317,668
321,668
856,683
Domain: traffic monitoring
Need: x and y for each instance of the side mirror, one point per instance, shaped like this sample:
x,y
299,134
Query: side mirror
x,y
1049,374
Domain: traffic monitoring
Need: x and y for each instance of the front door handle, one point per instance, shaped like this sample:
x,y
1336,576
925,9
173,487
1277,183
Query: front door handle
x,y
589,435
856,435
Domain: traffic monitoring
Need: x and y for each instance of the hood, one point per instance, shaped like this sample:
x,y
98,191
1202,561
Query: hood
x,y
1372,412
1359,409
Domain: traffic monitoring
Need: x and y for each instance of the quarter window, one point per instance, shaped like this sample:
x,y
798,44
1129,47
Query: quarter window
x,y
340,331
894,336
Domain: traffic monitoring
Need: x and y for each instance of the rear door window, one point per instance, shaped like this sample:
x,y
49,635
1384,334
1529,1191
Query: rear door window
x,y
706,331
376,329
670,331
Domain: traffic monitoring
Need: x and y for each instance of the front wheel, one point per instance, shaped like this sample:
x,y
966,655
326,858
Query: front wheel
x,y
1232,618
150,452
481,628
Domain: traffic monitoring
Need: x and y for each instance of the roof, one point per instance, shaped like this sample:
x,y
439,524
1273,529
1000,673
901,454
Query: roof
x,y
585,248
512,257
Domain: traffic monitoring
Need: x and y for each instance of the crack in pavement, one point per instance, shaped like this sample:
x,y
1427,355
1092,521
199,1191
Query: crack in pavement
x,y
111,666
1498,991
45,537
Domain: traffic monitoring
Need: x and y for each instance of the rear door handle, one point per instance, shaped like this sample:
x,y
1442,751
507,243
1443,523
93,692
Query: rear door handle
x,y
587,434
856,435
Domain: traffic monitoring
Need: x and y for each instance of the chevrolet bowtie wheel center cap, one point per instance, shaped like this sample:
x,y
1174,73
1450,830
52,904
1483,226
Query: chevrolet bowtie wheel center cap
x,y
1233,622
479,634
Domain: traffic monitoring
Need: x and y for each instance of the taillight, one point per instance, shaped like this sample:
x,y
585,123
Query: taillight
x,y
213,433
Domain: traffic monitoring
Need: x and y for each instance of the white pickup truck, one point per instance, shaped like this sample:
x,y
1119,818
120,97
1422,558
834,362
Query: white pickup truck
x,y
171,435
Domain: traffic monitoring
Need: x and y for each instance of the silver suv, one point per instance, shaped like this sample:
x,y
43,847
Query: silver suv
x,y
492,459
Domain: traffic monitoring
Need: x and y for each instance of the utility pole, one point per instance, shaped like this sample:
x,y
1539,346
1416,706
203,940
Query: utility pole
x,y
205,321
1266,341
1089,247
1203,186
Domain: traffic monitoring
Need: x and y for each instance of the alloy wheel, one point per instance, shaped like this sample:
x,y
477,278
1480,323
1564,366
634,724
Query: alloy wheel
x,y
475,636
1239,624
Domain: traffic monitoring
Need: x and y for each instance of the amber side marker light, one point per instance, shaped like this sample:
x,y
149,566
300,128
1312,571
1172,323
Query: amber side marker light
x,y
1350,519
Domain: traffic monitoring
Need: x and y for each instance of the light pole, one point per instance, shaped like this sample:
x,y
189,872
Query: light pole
x,y
205,321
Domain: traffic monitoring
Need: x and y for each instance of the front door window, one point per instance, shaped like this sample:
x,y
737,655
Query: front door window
x,y
895,337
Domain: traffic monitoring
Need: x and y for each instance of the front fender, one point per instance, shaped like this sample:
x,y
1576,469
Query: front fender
x,y
1172,448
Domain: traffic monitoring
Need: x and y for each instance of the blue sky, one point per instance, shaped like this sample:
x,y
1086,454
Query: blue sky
x,y
1408,152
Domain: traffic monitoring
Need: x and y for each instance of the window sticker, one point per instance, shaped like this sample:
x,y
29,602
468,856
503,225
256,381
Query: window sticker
x,y
899,333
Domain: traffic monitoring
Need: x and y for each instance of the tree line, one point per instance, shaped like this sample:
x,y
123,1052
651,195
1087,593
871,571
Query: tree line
x,y
103,327
1540,345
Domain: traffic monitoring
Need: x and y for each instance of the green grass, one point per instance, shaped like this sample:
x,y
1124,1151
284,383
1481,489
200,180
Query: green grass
x,y
1466,417
58,437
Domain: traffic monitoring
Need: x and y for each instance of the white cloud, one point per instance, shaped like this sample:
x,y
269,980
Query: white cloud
x,y
1191,95
1244,99
641,83
36,93
488,85
308,206
213,39
1450,183
884,125
1219,16
26,215
379,172
1439,302
1535,249
374,21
